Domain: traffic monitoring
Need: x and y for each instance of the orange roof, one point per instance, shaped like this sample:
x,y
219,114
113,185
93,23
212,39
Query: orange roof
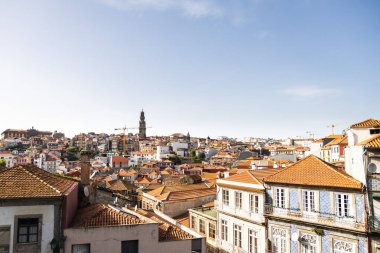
x,y
119,159
313,171
100,215
28,181
373,142
166,230
342,140
367,123
124,173
119,185
246,178
177,192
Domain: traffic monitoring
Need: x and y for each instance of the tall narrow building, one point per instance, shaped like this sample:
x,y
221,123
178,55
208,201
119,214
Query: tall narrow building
x,y
142,125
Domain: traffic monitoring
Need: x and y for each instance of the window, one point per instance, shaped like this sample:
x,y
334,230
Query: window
x,y
202,226
279,240
192,222
308,199
130,246
342,205
254,203
211,230
224,230
308,243
5,239
238,199
374,131
252,241
27,230
279,197
226,197
343,247
237,235
81,248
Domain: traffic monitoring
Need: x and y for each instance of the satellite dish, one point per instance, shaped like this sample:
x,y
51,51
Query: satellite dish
x,y
372,168
294,237
86,191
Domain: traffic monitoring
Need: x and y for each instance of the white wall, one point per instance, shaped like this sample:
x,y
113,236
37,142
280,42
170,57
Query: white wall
x,y
354,163
228,245
8,213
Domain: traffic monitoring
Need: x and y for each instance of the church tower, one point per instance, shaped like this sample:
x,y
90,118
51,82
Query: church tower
x,y
142,125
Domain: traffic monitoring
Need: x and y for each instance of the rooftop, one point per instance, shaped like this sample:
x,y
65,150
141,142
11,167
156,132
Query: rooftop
x,y
373,142
313,171
367,123
100,215
28,181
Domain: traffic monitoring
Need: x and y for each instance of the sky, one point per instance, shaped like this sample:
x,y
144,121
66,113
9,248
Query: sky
x,y
238,68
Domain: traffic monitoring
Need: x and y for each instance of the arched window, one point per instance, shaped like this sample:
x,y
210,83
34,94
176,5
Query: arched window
x,y
343,247
308,243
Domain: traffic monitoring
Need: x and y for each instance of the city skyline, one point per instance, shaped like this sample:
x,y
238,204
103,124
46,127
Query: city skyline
x,y
213,68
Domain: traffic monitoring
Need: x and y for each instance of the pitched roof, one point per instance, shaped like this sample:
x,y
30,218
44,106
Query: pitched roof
x,y
246,179
119,185
119,159
313,171
367,123
28,181
166,230
100,215
373,142
177,192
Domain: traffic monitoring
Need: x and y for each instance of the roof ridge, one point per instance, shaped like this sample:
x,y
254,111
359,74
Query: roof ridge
x,y
42,181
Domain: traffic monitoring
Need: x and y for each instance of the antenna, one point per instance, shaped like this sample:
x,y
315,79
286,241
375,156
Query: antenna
x,y
332,126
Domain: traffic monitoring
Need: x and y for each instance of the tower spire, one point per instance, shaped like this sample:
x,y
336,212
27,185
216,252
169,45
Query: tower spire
x,y
142,125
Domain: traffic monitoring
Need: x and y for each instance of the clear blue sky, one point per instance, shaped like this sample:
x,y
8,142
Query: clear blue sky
x,y
211,67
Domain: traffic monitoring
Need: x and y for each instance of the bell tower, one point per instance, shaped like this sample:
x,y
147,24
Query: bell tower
x,y
142,125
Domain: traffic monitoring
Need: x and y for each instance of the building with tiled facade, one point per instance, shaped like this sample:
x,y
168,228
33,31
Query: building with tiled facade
x,y
312,206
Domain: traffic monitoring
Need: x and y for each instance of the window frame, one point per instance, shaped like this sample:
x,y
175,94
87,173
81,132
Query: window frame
x,y
280,197
309,201
253,241
211,230
28,227
81,244
342,209
238,199
224,230
202,226
237,235
225,197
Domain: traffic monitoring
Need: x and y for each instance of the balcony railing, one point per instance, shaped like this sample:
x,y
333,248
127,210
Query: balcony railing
x,y
317,217
239,211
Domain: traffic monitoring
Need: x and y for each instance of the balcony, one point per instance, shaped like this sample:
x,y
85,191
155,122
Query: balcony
x,y
241,212
374,223
327,219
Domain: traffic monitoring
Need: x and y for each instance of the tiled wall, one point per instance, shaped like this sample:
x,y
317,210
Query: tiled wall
x,y
294,202
360,208
324,202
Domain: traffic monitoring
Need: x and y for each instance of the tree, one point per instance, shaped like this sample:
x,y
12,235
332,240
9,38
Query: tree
x,y
202,156
3,163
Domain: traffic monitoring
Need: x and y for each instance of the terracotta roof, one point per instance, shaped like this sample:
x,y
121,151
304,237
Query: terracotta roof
x,y
373,142
342,140
100,215
28,181
313,171
166,230
177,192
119,159
124,173
119,185
367,123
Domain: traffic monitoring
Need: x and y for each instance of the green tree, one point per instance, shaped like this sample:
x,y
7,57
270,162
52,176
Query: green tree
x,y
3,163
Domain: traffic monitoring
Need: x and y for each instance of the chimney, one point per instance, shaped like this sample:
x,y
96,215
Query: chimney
x,y
226,174
85,170
253,166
